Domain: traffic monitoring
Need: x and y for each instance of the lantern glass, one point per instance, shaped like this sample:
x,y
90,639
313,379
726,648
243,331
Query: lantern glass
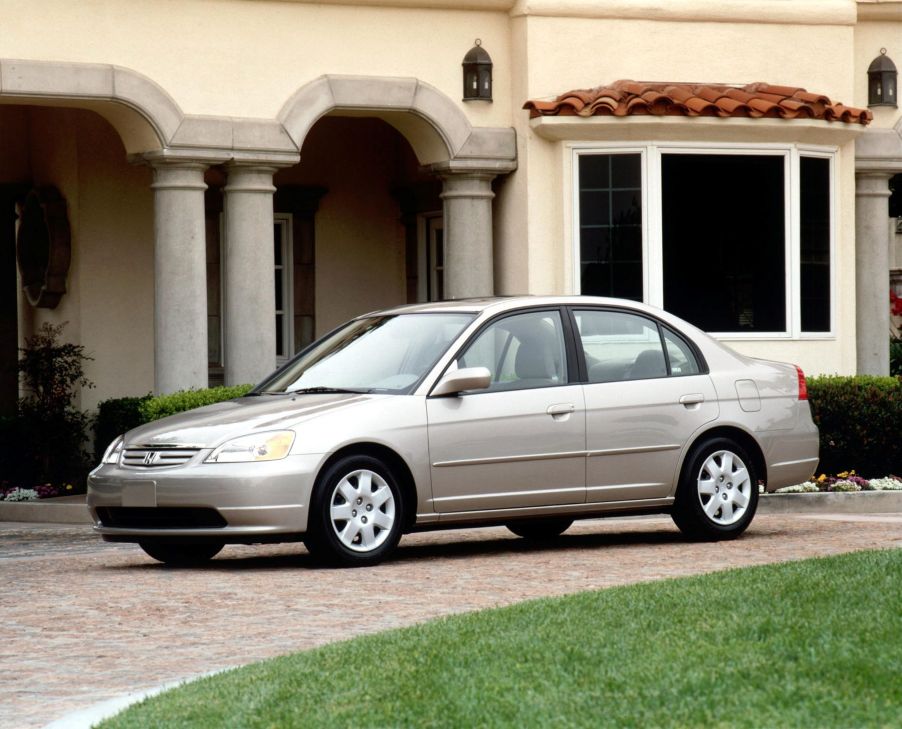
x,y
882,81
477,74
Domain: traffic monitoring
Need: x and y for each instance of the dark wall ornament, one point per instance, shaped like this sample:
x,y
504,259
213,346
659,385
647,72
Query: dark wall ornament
x,y
43,246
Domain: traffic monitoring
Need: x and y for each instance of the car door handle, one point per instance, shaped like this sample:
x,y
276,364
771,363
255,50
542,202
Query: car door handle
x,y
693,399
561,409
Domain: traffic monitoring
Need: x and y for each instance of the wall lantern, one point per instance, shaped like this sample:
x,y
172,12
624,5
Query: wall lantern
x,y
882,80
477,74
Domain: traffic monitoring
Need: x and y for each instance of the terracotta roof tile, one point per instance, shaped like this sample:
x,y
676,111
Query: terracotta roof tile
x,y
627,98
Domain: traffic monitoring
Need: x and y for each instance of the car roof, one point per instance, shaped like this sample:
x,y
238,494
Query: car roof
x,y
503,303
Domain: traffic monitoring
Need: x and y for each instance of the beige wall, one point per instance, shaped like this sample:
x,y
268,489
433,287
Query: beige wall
x,y
245,59
360,254
602,50
870,37
109,299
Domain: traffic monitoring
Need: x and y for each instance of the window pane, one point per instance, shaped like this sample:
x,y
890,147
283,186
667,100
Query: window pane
x,y
724,241
682,359
620,346
522,351
815,243
610,225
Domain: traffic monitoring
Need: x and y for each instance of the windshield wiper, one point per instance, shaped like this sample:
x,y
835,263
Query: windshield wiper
x,y
321,389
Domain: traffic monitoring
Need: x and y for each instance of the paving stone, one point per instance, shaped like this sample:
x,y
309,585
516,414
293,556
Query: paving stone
x,y
85,621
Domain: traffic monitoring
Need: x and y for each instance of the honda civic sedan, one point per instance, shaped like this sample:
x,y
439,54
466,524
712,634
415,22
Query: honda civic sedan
x,y
526,412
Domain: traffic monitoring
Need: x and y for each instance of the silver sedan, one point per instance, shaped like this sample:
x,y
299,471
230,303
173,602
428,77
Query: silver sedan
x,y
529,412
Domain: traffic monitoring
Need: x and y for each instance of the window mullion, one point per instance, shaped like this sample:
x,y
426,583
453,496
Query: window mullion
x,y
793,238
653,229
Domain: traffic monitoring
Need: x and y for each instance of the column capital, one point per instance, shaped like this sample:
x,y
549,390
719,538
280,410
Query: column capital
x,y
249,177
178,175
872,183
475,167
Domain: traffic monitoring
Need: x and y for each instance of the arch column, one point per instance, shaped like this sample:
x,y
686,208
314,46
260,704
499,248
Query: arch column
x,y
872,243
180,276
249,287
469,256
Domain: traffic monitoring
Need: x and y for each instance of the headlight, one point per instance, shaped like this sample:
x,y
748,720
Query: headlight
x,y
257,447
113,451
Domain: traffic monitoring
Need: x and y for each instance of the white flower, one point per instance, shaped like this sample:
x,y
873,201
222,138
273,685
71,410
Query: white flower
x,y
845,486
18,494
799,488
887,483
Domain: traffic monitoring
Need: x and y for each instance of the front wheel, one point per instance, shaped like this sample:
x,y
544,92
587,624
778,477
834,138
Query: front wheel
x,y
718,491
357,513
181,555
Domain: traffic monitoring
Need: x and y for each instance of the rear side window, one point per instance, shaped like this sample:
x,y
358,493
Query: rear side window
x,y
620,346
682,359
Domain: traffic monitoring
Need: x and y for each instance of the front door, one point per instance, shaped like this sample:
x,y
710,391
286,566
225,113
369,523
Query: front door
x,y
521,442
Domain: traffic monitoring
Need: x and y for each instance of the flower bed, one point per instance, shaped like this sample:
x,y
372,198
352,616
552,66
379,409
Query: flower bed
x,y
42,491
844,482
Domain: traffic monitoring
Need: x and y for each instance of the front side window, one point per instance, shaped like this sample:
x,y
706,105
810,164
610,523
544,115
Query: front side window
x,y
386,354
717,241
521,351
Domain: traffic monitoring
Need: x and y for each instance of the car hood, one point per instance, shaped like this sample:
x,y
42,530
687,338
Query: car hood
x,y
210,425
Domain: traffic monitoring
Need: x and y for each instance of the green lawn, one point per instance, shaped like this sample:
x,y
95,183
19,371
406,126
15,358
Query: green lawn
x,y
812,643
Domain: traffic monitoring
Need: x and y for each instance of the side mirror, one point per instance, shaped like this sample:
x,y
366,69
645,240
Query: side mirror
x,y
469,378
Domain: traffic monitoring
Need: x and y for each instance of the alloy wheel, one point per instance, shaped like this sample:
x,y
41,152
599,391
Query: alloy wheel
x,y
362,510
724,487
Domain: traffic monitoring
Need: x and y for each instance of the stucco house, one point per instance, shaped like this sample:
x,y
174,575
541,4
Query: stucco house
x,y
202,187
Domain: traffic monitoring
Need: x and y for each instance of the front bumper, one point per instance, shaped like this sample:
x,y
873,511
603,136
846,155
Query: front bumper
x,y
265,501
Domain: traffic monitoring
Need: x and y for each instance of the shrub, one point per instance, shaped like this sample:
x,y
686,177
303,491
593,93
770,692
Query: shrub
x,y
860,419
895,357
49,433
119,415
115,417
160,407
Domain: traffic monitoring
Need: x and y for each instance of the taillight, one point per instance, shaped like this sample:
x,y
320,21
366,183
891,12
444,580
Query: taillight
x,y
803,386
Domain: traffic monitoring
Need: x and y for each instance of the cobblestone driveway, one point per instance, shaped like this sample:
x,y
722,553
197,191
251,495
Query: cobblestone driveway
x,y
85,621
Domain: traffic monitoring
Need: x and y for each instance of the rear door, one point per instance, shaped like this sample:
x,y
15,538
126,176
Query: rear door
x,y
647,392
521,442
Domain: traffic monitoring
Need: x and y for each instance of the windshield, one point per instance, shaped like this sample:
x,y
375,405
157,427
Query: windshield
x,y
375,354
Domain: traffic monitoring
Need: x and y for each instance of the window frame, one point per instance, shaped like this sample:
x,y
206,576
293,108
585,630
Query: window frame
x,y
651,154
575,362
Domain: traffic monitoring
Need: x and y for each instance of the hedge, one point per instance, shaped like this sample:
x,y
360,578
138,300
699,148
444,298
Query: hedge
x,y
118,415
860,422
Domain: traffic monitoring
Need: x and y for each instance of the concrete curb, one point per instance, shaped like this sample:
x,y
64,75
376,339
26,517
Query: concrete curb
x,y
93,715
67,510
859,502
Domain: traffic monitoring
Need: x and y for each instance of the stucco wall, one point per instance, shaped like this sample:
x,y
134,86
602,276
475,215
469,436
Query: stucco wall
x,y
360,264
601,50
108,306
245,59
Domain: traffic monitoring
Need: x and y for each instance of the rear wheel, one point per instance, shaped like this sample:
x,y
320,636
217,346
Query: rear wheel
x,y
357,513
182,555
718,492
539,529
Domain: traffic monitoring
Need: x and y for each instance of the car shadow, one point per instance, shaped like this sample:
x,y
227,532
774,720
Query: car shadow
x,y
466,548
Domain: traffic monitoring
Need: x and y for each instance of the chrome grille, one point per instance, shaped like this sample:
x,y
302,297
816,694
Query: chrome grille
x,y
157,457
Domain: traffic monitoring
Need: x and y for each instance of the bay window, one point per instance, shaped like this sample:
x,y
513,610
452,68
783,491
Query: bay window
x,y
737,240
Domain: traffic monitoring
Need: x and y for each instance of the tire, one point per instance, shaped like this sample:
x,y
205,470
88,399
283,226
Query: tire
x,y
540,529
357,513
718,491
182,555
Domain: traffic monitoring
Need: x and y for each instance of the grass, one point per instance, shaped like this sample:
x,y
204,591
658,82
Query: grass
x,y
810,643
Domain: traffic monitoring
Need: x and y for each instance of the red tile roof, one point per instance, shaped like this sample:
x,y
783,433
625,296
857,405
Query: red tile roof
x,y
626,98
